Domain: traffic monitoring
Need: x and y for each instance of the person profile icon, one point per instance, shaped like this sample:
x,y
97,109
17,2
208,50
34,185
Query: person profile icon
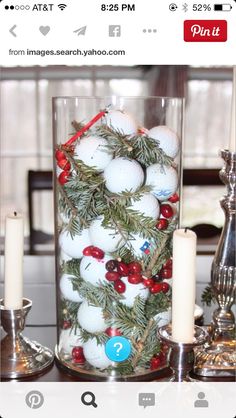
x,y
201,402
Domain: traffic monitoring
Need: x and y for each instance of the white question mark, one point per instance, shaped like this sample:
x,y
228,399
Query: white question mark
x,y
118,349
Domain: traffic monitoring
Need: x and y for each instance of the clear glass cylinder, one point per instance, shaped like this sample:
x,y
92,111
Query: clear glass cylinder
x,y
117,176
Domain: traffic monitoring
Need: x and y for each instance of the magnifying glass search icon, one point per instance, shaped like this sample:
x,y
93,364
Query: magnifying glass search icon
x,y
88,399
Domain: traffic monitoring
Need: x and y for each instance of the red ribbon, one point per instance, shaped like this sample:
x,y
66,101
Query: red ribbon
x,y
86,127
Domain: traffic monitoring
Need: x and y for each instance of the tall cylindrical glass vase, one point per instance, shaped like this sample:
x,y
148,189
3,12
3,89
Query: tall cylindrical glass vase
x,y
117,183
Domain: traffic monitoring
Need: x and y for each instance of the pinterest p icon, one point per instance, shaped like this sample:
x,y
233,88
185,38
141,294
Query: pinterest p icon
x,y
34,399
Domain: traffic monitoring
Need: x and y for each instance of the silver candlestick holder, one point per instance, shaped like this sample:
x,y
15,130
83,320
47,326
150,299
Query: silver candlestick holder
x,y
181,357
218,359
20,357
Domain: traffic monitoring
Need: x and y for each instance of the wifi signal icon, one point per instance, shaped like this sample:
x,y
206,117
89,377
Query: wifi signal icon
x,y
62,6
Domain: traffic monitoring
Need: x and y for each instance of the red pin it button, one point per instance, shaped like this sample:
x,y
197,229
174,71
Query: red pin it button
x,y
205,30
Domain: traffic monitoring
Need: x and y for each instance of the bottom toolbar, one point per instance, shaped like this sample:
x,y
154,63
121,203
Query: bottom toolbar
x,y
194,400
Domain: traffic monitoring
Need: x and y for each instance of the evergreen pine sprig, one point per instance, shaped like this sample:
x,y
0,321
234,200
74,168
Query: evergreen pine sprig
x,y
131,221
123,369
146,346
72,267
118,143
156,304
100,296
126,197
208,296
101,337
146,151
124,254
142,148
68,311
122,317
81,197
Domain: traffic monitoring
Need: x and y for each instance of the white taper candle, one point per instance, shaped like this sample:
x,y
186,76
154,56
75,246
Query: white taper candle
x,y
14,251
184,285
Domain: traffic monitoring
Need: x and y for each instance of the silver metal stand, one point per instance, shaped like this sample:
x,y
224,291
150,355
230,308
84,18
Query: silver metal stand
x,y
181,359
219,358
20,357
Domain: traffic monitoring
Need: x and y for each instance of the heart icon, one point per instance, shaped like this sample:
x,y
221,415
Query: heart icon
x,y
44,30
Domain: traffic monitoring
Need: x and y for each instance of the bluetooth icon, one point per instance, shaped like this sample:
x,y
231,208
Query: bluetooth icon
x,y
185,7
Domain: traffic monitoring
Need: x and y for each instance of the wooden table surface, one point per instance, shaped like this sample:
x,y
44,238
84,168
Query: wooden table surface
x,y
47,336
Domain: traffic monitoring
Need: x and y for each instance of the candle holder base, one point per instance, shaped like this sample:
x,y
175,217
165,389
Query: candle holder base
x,y
181,359
21,357
216,360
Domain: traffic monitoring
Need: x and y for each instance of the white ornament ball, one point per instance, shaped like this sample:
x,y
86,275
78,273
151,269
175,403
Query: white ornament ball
x,y
95,354
198,311
147,205
93,152
73,246
93,270
163,318
132,291
64,257
140,246
107,239
167,138
121,122
91,318
123,174
69,339
163,179
67,290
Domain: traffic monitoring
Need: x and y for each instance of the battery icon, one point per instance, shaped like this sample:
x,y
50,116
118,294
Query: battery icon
x,y
225,7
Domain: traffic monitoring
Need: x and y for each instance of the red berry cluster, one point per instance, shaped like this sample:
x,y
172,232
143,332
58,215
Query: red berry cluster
x,y
167,212
64,164
118,269
115,270
174,198
157,281
94,252
66,324
159,287
113,332
158,360
166,271
133,271
78,355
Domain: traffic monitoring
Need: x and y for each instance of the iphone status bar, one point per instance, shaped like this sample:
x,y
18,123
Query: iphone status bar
x,y
116,8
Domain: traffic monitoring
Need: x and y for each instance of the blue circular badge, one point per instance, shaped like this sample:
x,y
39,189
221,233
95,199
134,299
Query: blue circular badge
x,y
118,349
